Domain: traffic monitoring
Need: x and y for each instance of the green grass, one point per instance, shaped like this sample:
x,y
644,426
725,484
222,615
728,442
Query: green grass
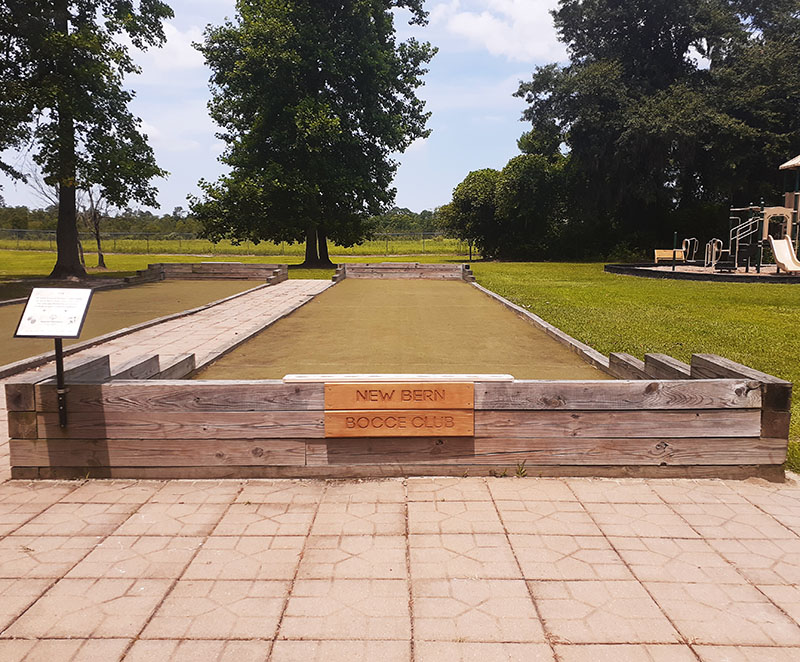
x,y
754,323
392,246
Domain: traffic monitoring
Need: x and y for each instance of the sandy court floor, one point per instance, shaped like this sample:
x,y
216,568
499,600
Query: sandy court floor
x,y
116,309
402,326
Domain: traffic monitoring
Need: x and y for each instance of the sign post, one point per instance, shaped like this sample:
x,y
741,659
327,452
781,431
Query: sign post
x,y
56,313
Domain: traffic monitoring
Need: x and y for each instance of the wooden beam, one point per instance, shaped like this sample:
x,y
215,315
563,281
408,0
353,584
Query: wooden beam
x,y
619,424
158,425
177,396
618,394
178,368
663,366
157,452
22,425
626,366
142,367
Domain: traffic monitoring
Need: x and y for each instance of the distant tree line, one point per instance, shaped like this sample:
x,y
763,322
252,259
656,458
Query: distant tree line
x,y
667,113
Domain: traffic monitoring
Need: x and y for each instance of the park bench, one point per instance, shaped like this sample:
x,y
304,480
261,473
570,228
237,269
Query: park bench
x,y
662,254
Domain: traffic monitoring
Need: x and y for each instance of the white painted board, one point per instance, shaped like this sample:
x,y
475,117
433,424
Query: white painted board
x,y
54,312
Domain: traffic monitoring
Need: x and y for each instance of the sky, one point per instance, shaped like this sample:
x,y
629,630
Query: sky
x,y
486,48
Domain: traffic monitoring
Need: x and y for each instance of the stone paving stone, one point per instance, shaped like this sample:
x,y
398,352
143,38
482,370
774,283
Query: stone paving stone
x,y
247,557
91,608
342,519
47,492
732,520
266,519
747,654
607,612
43,556
287,650
462,555
354,557
763,561
547,518
151,650
691,491
151,557
78,519
567,557
14,515
480,610
446,489
16,595
62,650
786,597
197,491
453,517
173,519
645,520
625,652
219,610
675,560
724,614
366,491
530,489
113,491
608,490
327,609
437,651
281,491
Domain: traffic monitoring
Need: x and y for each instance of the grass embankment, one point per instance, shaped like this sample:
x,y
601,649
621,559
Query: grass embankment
x,y
754,323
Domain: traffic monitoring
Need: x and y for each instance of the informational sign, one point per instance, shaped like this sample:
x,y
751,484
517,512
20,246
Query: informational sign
x,y
53,312
422,409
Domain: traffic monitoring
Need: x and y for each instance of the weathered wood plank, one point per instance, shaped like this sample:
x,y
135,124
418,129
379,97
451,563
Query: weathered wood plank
x,y
545,451
712,366
633,424
177,368
20,397
626,366
619,395
181,396
156,452
770,472
400,423
22,425
663,366
139,368
428,395
159,425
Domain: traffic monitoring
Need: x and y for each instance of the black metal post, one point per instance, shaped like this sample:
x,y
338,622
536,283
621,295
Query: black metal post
x,y
61,389
674,248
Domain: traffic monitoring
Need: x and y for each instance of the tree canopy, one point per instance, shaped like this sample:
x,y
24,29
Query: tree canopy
x,y
670,111
312,100
61,71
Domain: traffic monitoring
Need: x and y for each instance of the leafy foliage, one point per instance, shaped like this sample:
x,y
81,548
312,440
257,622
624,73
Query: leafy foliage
x,y
61,71
670,110
312,100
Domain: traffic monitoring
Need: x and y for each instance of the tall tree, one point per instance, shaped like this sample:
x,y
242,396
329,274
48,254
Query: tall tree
x,y
312,99
671,109
61,71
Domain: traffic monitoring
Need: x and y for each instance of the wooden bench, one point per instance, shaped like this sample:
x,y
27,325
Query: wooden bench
x,y
666,254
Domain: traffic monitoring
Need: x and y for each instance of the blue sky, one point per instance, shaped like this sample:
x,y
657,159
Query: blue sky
x,y
485,48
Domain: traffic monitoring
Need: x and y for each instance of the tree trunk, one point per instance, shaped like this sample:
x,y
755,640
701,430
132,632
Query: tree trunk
x,y
322,245
68,262
101,260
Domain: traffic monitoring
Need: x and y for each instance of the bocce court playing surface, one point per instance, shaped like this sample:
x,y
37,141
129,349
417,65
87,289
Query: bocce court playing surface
x,y
402,326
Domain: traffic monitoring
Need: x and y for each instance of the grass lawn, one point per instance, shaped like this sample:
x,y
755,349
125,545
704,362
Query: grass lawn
x,y
753,323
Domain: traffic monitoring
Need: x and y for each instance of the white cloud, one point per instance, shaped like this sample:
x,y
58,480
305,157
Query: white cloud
x,y
520,30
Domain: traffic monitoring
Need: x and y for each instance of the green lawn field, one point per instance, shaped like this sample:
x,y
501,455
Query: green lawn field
x,y
755,324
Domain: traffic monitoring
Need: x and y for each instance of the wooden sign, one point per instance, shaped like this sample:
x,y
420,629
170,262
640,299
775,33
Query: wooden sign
x,y
400,423
383,409
453,395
